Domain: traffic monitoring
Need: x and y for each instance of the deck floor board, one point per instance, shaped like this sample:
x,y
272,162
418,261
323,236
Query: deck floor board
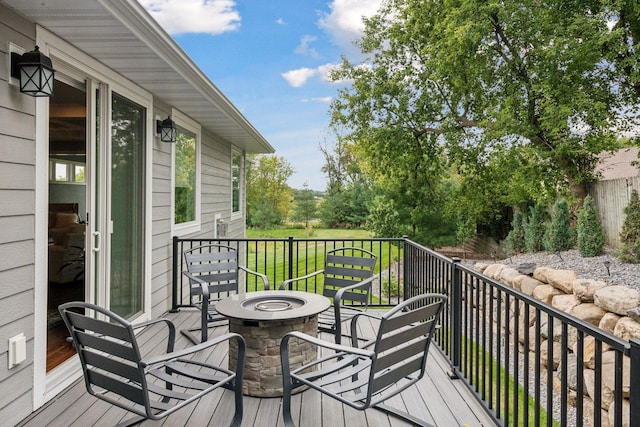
x,y
437,398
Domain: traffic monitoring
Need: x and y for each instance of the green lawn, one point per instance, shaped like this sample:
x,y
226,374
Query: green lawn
x,y
301,233
272,258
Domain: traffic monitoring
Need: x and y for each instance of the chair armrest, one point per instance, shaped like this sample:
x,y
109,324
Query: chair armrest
x,y
204,285
190,350
172,330
326,344
286,283
265,279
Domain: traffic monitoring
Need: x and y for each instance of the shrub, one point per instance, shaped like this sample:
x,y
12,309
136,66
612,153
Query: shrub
x,y
630,234
560,234
515,238
590,236
535,227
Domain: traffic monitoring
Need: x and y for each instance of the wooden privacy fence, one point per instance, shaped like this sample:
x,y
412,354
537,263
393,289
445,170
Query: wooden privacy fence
x,y
611,197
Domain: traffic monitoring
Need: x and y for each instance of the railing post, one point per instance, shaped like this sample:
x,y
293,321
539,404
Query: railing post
x,y
174,294
290,269
455,305
634,384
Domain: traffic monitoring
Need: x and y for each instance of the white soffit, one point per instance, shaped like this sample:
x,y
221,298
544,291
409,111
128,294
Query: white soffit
x,y
124,37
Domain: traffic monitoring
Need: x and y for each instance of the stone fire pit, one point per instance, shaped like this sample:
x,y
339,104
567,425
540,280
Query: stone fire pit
x,y
263,318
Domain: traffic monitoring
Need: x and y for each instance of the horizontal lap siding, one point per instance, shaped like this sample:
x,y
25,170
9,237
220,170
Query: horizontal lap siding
x,y
215,199
17,209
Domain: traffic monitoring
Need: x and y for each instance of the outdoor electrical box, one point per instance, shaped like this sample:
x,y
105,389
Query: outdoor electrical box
x,y
221,228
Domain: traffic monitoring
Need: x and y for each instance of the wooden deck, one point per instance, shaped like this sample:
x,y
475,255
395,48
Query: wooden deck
x,y
437,399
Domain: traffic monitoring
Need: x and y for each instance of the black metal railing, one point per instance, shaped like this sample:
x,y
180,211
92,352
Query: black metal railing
x,y
526,362
283,259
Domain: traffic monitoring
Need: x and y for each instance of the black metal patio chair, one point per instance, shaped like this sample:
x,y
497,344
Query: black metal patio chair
x,y
363,377
213,272
150,387
348,275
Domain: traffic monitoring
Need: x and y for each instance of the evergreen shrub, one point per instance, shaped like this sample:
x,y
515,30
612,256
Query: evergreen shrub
x,y
535,228
515,238
590,235
630,234
560,234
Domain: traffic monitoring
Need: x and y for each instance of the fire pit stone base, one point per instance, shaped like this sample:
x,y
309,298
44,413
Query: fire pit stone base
x,y
263,370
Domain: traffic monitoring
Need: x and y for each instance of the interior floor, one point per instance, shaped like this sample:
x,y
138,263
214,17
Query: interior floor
x,y
58,349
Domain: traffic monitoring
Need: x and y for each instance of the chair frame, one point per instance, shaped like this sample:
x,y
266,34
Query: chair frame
x,y
115,371
346,278
363,377
206,281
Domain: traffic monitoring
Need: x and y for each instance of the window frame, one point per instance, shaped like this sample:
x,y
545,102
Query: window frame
x,y
71,175
190,125
237,213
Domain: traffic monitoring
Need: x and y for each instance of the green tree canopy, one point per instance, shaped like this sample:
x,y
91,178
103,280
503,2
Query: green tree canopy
x,y
268,195
518,96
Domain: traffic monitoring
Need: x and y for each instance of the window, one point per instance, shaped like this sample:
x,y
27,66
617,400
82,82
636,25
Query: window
x,y
65,171
236,161
186,176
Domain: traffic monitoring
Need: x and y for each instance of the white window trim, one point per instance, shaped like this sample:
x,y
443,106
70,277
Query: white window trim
x,y
195,226
239,213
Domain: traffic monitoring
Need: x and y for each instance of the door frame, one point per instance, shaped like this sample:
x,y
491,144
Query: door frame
x,y
70,60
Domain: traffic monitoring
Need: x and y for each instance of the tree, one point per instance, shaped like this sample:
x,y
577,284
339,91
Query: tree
x,y
268,195
304,205
535,227
349,190
560,235
527,90
630,234
515,238
590,237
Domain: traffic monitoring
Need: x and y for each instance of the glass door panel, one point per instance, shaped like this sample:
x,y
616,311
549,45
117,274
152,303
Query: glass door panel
x,y
127,207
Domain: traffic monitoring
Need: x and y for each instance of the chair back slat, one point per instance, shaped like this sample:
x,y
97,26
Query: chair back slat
x,y
113,366
199,268
391,358
129,391
353,296
403,319
99,343
350,260
402,337
346,267
347,272
217,265
98,327
392,376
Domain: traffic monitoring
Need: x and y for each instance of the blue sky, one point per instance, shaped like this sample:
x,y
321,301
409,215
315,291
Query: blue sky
x,y
270,58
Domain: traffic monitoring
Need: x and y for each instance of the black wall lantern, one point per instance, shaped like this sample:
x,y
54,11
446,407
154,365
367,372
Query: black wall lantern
x,y
35,71
166,129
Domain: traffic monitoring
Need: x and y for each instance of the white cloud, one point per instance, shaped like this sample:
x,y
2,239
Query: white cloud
x,y
299,77
280,21
344,22
194,16
304,47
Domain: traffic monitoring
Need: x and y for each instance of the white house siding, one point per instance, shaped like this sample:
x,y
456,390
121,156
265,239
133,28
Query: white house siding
x,y
215,199
17,191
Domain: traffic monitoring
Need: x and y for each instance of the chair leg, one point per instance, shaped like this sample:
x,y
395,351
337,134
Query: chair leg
x,y
402,415
286,383
239,399
131,421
